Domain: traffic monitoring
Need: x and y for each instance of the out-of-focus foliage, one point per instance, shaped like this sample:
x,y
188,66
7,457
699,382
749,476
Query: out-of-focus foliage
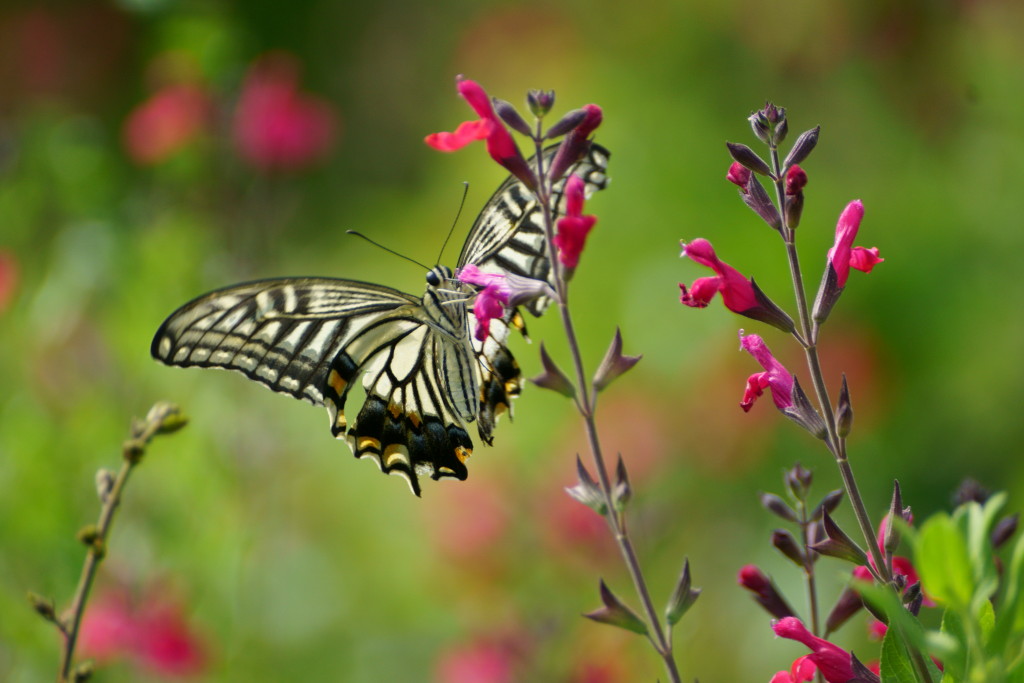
x,y
128,184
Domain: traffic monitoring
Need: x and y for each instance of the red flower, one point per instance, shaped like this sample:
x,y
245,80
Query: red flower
x,y
796,180
832,661
738,175
276,126
573,227
803,670
843,255
153,633
165,123
774,377
500,144
737,291
479,662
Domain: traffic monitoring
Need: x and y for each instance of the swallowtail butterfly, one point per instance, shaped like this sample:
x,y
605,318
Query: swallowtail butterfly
x,y
425,374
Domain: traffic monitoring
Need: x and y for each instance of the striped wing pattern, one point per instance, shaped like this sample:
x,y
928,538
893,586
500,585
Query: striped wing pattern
x,y
425,374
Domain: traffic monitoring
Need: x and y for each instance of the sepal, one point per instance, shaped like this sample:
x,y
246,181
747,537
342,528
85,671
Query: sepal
x,y
615,613
838,544
622,492
844,411
683,596
828,294
553,378
804,414
767,311
614,363
587,491
757,199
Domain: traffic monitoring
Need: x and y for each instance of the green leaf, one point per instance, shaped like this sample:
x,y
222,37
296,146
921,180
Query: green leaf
x,y
1010,620
896,666
953,652
941,558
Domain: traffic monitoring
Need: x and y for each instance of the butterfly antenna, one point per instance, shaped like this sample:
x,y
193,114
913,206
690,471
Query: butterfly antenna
x,y
465,191
390,251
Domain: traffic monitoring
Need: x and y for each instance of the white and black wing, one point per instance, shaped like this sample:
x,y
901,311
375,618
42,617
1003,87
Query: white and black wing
x,y
311,338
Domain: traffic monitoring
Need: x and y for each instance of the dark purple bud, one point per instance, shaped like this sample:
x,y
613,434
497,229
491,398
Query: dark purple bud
x,y
576,143
44,607
760,125
862,674
804,414
970,490
913,597
613,364
615,613
844,411
778,507
757,199
767,311
848,604
765,592
773,114
683,596
553,378
787,544
838,544
512,117
566,124
802,147
828,294
798,480
540,102
748,158
781,130
1004,529
828,504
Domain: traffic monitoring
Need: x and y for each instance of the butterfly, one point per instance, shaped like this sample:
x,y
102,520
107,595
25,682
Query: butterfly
x,y
425,375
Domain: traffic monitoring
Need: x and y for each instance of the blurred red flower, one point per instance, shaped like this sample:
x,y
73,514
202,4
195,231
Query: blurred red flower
x,y
276,127
479,662
165,123
8,278
152,632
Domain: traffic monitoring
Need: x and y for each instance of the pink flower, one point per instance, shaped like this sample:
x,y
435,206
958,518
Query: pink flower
x,y
575,142
738,175
490,301
152,632
479,662
796,180
8,278
165,123
832,661
803,670
737,291
500,144
774,377
276,126
573,227
843,255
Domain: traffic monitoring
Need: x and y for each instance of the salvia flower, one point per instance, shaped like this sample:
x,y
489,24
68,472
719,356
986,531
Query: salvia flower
x,y
775,377
165,123
796,180
834,663
500,291
573,227
765,592
738,175
575,142
737,291
500,144
843,255
803,670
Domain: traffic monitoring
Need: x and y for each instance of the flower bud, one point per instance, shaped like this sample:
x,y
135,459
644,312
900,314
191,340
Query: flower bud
x,y
786,543
1004,529
540,102
844,411
613,364
621,492
804,414
828,504
778,507
587,491
512,117
765,592
683,596
566,124
748,158
798,480
802,147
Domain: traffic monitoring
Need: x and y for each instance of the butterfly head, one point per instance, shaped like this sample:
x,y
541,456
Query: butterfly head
x,y
439,275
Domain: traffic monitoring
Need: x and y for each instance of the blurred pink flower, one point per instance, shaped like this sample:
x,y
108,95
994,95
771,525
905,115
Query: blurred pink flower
x,y
803,670
8,278
152,632
276,126
165,123
479,662
834,663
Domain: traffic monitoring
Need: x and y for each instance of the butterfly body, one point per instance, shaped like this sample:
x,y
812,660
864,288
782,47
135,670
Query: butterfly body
x,y
425,375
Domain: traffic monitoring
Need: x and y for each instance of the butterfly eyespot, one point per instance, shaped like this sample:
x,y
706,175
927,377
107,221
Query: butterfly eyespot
x,y
425,376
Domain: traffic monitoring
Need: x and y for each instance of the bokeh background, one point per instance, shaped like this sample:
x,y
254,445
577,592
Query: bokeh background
x,y
136,172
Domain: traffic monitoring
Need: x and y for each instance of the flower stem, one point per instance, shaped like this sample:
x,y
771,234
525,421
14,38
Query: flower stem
x,y
586,403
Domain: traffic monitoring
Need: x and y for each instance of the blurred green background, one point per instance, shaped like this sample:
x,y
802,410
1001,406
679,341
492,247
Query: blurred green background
x,y
281,556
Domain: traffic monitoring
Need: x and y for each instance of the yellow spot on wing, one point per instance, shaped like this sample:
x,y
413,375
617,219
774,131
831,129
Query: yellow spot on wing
x,y
368,443
396,454
337,382
463,453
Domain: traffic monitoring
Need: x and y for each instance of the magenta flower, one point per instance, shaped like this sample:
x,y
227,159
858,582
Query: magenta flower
x,y
165,123
774,377
803,670
499,291
276,126
738,175
843,255
8,278
500,144
152,632
834,663
573,227
575,142
737,291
